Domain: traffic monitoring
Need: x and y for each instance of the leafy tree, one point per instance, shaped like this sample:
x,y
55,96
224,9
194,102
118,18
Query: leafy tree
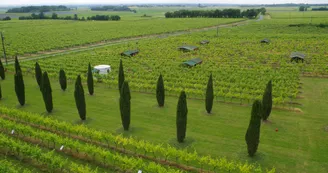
x,y
79,98
90,80
54,16
267,101
17,66
252,136
120,76
209,95
46,92
20,88
181,119
303,8
75,17
125,105
38,73
62,79
160,92
2,71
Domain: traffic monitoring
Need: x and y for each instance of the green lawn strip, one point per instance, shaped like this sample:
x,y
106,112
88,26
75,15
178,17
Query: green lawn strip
x,y
219,134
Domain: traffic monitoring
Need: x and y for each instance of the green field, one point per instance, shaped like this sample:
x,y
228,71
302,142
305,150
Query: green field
x,y
293,140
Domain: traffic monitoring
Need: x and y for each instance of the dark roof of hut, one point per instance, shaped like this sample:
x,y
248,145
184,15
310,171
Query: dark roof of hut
x,y
193,62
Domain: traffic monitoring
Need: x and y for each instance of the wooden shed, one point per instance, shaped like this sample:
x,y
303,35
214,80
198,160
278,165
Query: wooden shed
x,y
297,57
192,62
188,48
130,53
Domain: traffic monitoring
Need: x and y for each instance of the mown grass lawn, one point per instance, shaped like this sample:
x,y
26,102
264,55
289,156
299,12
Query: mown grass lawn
x,y
300,145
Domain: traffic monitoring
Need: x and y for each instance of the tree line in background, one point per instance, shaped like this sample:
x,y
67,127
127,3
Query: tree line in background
x,y
112,8
75,17
261,110
44,8
226,13
320,9
6,18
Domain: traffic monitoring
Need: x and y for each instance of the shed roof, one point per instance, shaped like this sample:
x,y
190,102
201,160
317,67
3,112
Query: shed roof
x,y
265,40
130,52
204,42
193,62
297,55
188,48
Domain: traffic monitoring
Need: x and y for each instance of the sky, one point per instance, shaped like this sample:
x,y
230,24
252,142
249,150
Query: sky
x,y
55,2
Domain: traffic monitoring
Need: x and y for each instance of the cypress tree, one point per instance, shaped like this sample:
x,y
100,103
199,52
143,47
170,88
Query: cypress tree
x,y
38,73
125,105
160,92
267,101
120,76
62,79
17,66
252,136
20,88
79,98
209,95
2,71
46,92
90,80
0,93
181,119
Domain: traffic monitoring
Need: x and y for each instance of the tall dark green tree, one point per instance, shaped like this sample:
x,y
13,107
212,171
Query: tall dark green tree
x,y
181,119
0,93
79,98
120,76
160,92
38,73
20,88
267,101
90,80
17,66
62,79
46,92
2,71
125,105
209,95
252,136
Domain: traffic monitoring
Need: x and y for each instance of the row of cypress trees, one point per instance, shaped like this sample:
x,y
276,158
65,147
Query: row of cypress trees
x,y
260,110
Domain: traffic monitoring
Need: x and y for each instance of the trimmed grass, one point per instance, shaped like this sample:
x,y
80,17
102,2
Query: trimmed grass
x,y
300,145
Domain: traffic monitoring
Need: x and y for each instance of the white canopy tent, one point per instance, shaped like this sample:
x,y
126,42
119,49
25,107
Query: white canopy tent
x,y
102,69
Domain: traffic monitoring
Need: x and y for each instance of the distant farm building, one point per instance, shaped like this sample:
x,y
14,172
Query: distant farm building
x,y
192,62
188,48
265,40
204,42
130,53
297,57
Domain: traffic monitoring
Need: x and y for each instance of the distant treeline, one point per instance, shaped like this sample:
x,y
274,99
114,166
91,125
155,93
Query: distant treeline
x,y
30,9
112,8
54,16
226,13
6,18
284,5
320,9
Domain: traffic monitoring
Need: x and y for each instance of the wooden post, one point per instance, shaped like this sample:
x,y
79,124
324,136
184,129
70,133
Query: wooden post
x,y
3,47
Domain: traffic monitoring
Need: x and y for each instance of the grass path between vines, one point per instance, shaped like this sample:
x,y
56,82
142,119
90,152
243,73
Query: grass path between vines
x,y
74,49
300,145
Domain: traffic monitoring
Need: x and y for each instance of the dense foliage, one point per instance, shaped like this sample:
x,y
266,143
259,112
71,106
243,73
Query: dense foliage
x,y
80,98
209,95
226,13
252,136
38,73
20,88
62,79
46,92
125,105
111,8
320,9
29,9
267,101
160,91
90,80
181,119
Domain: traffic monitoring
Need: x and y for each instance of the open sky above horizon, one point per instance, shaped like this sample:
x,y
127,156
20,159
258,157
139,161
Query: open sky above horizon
x,y
58,2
